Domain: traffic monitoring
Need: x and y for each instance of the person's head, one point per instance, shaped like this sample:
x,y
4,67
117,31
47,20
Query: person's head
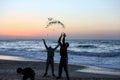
x,y
19,70
67,44
50,47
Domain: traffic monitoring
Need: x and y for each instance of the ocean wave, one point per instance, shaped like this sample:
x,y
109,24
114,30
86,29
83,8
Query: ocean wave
x,y
87,46
114,42
90,54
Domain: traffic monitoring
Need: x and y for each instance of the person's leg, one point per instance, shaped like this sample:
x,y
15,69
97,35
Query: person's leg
x,y
25,77
60,69
32,77
46,70
52,68
66,69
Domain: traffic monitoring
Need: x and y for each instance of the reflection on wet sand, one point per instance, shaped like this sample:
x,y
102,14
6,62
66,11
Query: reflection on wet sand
x,y
5,57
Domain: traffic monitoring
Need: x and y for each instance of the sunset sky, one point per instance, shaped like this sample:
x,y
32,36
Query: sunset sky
x,y
83,19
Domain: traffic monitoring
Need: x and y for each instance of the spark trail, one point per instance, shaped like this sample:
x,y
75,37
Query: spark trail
x,y
54,22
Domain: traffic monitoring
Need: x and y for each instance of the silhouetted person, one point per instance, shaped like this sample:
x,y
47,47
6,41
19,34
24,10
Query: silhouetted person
x,y
64,56
27,73
50,58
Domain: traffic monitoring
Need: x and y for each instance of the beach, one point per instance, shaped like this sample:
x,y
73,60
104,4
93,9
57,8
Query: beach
x,y
80,36
8,71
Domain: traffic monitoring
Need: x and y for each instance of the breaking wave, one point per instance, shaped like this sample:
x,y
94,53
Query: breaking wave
x,y
87,46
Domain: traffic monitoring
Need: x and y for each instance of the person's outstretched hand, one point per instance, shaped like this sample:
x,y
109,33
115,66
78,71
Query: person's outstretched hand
x,y
43,39
61,35
64,35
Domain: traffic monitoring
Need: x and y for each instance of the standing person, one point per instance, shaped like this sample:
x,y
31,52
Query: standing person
x,y
50,58
64,56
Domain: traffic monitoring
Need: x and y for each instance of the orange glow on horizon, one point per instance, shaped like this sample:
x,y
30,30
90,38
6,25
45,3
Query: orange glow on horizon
x,y
34,27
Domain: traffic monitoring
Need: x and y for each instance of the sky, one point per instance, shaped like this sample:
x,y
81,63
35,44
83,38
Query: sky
x,y
83,19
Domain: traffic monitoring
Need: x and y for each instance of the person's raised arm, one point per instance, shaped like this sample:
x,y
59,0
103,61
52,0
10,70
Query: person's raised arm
x,y
56,47
45,43
64,35
59,40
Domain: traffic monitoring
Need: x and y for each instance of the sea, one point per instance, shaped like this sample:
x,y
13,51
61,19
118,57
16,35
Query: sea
x,y
98,53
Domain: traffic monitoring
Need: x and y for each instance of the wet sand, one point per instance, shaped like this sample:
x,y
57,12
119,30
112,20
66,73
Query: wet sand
x,y
8,71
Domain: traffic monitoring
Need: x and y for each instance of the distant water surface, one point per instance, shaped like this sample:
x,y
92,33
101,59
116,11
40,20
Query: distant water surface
x,y
101,53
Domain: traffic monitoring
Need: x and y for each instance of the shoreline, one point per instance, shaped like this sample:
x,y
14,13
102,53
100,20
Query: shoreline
x,y
20,58
8,71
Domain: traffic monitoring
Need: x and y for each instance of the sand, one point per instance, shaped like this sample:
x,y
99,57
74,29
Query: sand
x,y
8,71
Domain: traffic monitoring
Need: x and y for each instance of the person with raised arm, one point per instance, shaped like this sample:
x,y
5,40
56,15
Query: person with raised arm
x,y
50,58
64,56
